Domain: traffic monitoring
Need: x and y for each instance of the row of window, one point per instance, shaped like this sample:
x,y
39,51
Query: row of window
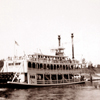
x,y
32,76
12,64
44,66
54,76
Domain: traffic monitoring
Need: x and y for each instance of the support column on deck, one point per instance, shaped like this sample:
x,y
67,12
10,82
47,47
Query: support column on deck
x,y
68,74
50,79
63,77
57,78
43,79
73,72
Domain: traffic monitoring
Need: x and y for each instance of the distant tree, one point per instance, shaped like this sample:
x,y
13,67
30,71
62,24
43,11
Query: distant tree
x,y
91,70
1,64
98,66
90,65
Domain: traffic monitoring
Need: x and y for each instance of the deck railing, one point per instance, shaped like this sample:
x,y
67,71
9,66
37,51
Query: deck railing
x,y
57,81
56,70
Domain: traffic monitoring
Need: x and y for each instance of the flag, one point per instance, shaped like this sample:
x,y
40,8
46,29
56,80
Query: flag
x,y
16,43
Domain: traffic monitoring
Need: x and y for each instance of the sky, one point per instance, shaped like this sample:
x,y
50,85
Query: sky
x,y
36,24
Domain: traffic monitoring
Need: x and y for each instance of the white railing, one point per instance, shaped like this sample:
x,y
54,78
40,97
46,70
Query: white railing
x,y
57,81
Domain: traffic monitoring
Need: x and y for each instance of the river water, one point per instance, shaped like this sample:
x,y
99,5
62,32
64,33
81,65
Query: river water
x,y
70,92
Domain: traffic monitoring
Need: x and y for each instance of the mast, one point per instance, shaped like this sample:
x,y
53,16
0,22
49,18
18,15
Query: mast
x,y
72,46
59,40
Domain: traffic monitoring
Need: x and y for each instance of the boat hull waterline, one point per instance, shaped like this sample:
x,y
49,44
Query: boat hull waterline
x,y
25,85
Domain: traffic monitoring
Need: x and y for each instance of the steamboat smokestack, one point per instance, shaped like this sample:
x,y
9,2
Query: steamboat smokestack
x,y
59,40
72,46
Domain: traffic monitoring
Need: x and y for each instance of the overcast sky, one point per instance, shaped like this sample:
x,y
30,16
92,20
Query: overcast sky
x,y
36,24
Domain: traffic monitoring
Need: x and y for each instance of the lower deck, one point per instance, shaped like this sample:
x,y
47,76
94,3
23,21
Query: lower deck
x,y
25,85
54,78
42,79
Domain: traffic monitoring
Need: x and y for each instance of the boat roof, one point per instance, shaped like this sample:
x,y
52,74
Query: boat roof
x,y
58,48
51,55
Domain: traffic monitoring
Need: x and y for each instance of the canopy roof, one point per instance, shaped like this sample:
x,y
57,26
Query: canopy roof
x,y
50,55
58,48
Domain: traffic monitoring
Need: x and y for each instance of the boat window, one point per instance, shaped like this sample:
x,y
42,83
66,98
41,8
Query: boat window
x,y
51,67
41,66
59,77
71,66
71,76
47,77
39,76
17,63
67,67
29,64
53,77
38,56
76,75
65,76
44,66
60,66
64,67
10,64
33,65
55,67
48,66
32,76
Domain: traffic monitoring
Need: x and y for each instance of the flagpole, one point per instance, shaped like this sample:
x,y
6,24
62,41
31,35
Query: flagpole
x,y
14,48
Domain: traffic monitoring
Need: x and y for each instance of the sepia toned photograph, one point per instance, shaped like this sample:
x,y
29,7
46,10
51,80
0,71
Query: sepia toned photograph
x,y
49,49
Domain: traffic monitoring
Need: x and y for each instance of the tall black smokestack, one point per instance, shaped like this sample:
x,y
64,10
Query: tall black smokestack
x,y
59,40
72,46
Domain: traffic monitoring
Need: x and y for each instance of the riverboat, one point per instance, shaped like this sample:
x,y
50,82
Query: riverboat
x,y
39,70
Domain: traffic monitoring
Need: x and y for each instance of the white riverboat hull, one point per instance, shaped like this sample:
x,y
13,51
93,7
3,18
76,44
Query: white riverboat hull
x,y
25,85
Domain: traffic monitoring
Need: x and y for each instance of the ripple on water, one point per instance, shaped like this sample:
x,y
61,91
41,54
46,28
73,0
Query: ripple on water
x,y
71,92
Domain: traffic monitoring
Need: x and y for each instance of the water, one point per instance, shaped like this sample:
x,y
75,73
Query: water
x,y
71,92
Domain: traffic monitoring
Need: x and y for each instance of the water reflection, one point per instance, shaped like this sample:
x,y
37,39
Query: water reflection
x,y
71,92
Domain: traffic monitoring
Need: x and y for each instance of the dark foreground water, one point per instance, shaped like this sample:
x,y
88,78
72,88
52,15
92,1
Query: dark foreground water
x,y
71,92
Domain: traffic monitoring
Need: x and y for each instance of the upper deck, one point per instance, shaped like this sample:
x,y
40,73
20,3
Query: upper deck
x,y
39,61
50,59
